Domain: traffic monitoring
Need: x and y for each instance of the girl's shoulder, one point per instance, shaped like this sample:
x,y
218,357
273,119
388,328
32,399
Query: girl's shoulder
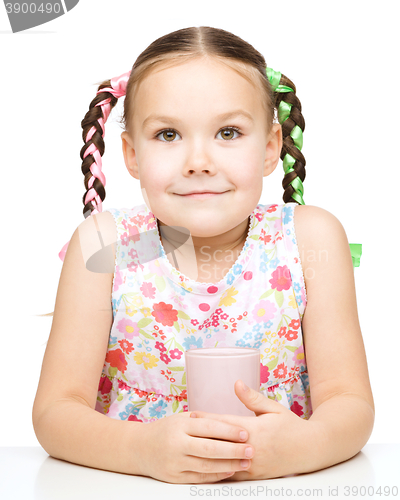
x,y
321,239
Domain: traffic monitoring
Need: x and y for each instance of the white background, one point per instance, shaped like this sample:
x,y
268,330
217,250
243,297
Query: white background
x,y
343,58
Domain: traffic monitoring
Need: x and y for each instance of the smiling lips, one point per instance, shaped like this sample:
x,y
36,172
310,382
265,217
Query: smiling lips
x,y
201,196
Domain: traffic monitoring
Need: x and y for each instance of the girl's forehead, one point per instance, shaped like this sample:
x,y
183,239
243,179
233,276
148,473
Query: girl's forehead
x,y
213,86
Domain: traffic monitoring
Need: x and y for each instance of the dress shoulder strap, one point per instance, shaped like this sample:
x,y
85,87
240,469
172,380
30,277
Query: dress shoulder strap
x,y
293,255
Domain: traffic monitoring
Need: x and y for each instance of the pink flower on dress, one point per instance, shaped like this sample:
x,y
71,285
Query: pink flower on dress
x,y
164,357
175,354
148,290
155,268
160,346
128,327
264,374
117,278
264,311
298,356
278,224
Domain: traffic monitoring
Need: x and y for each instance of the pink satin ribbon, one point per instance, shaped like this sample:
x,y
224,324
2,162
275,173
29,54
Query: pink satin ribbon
x,y
118,89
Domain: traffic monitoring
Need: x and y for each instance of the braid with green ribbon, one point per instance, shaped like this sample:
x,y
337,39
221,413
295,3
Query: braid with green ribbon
x,y
291,155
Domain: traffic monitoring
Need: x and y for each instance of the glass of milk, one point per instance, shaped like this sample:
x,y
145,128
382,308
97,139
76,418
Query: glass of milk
x,y
211,374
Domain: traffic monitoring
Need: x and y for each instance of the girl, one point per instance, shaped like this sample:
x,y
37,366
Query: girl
x,y
141,285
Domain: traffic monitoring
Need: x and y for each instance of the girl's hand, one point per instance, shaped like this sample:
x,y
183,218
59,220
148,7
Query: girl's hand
x,y
180,449
279,437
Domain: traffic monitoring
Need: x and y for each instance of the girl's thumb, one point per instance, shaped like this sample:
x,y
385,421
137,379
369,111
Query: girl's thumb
x,y
255,400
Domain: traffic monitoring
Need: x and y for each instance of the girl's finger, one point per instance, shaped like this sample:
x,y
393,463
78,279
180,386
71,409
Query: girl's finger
x,y
199,477
230,419
206,466
210,428
212,449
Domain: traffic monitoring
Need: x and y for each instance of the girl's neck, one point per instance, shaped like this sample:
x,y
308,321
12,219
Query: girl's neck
x,y
200,261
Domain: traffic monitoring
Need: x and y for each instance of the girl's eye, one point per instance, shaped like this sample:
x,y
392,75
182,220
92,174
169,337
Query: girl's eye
x,y
168,135
227,133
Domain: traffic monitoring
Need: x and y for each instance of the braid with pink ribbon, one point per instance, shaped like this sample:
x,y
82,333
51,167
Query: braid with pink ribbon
x,y
117,89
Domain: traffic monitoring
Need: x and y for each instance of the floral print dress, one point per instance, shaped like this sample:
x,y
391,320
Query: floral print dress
x,y
158,313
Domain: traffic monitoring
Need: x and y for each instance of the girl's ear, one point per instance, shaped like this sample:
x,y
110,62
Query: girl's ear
x,y
273,149
129,155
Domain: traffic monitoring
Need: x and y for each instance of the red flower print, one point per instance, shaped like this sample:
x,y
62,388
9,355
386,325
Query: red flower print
x,y
161,347
134,418
183,394
295,324
272,208
281,279
126,346
116,359
194,322
264,373
175,354
297,408
281,371
140,393
105,385
291,335
282,332
165,314
264,237
122,386
165,358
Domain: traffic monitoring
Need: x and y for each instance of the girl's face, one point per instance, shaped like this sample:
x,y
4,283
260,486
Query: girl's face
x,y
201,103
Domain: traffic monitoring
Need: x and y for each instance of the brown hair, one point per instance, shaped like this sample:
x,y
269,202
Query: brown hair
x,y
180,47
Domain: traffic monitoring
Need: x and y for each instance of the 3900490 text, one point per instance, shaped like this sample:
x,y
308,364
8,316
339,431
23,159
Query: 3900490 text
x,y
32,8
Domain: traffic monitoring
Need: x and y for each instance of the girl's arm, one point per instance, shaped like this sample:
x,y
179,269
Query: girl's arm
x,y
341,396
64,419
174,449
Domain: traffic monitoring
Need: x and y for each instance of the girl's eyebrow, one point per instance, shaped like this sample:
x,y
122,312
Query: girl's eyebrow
x,y
225,116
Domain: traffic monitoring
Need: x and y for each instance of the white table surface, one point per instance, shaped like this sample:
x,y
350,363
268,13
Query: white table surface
x,y
30,473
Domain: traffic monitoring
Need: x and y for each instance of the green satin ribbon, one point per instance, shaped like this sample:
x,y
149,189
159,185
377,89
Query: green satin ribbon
x,y
284,109
356,251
